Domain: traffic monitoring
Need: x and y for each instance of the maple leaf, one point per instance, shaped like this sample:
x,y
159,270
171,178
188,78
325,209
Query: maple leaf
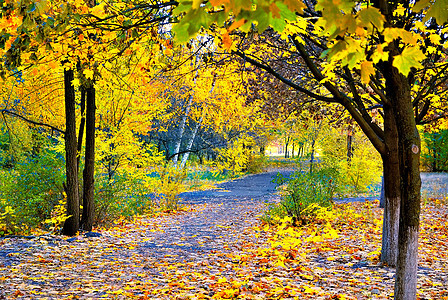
x,y
367,69
371,15
411,57
295,5
438,10
88,73
274,10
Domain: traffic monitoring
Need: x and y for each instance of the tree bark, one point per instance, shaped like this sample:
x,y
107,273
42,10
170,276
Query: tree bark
x,y
190,144
409,164
89,167
349,146
71,225
391,175
180,133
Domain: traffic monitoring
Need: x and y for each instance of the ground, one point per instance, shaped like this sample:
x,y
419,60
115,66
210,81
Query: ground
x,y
217,248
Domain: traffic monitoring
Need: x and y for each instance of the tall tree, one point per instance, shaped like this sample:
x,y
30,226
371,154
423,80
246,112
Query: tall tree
x,y
71,225
364,56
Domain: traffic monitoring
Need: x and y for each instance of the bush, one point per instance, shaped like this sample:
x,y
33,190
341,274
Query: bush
x,y
33,187
120,196
303,196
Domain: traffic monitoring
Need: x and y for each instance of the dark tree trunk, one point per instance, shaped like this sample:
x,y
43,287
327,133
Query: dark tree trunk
x,y
398,90
349,147
71,225
391,177
88,173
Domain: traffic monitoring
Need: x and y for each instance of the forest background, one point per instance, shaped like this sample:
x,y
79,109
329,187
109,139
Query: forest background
x,y
162,106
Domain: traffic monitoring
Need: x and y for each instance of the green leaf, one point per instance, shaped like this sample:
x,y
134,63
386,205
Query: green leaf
x,y
421,5
371,15
278,24
409,58
183,6
190,25
439,11
285,13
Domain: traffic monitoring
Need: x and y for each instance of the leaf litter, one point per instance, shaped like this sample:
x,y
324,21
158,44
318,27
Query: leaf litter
x,y
222,251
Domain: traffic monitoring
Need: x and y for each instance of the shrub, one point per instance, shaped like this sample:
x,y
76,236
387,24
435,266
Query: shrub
x,y
33,187
303,196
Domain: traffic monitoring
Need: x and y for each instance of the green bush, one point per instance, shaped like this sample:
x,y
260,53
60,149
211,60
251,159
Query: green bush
x,y
353,175
256,164
120,196
33,187
302,196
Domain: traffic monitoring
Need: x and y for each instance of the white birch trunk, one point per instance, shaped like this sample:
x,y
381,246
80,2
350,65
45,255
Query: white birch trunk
x,y
181,130
193,135
190,144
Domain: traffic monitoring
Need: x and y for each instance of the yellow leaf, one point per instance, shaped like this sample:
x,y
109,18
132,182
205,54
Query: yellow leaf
x,y
367,69
168,52
391,34
435,38
380,54
222,280
227,41
98,10
409,58
88,73
53,64
196,4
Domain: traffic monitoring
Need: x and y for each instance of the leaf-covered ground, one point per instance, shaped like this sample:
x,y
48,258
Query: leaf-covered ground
x,y
220,250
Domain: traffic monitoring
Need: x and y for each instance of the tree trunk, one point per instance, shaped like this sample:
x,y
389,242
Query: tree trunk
x,y
190,144
391,175
180,133
71,225
349,146
89,167
409,145
382,193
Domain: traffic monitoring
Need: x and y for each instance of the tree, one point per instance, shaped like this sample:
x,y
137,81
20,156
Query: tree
x,y
391,58
71,225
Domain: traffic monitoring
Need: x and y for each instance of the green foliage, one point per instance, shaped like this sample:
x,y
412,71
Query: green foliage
x,y
16,141
256,163
123,195
435,152
33,186
303,196
8,220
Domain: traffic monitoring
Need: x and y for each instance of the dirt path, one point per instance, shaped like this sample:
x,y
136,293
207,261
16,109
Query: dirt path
x,y
222,216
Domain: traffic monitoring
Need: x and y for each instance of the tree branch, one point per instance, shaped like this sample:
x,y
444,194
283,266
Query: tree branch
x,y
5,111
271,71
